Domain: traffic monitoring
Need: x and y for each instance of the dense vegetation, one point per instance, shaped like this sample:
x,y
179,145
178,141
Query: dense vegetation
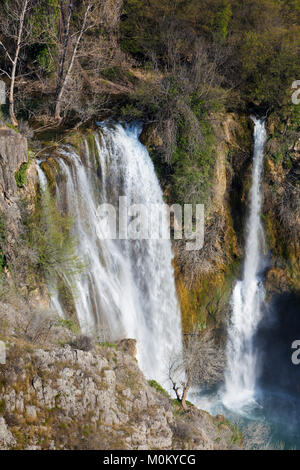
x,y
176,63
250,48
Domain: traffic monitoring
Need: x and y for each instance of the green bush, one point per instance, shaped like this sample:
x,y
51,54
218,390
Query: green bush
x,y
222,20
158,388
45,60
193,160
107,344
48,235
21,175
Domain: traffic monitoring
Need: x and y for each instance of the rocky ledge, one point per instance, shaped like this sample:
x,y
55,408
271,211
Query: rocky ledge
x,y
66,398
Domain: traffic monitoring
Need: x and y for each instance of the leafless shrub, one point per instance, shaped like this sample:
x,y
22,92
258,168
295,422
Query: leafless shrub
x,y
111,12
3,323
289,208
11,419
99,333
83,342
82,101
35,326
25,130
4,288
202,363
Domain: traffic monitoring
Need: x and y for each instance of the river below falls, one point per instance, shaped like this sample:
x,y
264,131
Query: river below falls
x,y
276,401
278,411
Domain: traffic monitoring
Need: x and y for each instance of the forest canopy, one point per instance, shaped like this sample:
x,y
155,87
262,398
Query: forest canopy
x,y
225,51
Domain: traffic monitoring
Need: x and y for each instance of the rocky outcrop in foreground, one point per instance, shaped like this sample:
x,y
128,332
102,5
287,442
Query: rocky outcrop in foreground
x,y
65,398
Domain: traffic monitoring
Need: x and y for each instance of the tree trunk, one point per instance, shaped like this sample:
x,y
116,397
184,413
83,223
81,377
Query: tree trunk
x,y
63,58
64,82
14,68
11,100
184,394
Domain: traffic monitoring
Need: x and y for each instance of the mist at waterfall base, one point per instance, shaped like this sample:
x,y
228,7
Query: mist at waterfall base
x,y
261,382
277,394
128,289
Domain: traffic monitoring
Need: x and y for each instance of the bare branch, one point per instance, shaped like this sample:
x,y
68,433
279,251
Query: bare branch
x,y
5,73
6,51
202,363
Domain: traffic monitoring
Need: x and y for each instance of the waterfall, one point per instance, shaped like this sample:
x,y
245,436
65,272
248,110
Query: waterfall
x,y
128,288
248,296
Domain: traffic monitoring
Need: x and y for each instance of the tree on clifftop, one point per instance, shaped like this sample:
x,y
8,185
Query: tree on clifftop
x,y
17,32
69,43
202,363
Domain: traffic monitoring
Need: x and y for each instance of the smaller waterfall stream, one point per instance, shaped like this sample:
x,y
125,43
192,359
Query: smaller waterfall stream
x,y
248,296
261,390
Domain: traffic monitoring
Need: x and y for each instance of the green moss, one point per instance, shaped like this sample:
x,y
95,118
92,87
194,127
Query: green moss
x,y
189,403
21,175
222,20
2,406
237,435
45,59
86,431
11,126
106,344
193,156
68,323
277,158
158,388
48,233
177,407
204,303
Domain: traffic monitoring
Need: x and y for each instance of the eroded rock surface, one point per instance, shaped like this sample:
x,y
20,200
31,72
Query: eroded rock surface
x,y
64,398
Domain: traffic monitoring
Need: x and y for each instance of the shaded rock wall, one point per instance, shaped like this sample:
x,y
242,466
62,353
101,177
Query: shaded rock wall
x,y
204,279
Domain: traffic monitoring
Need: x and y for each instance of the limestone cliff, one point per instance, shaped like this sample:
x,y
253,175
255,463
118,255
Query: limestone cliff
x,y
282,204
204,279
64,398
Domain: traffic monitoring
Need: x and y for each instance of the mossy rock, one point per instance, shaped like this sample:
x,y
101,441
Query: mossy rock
x,y
50,172
21,175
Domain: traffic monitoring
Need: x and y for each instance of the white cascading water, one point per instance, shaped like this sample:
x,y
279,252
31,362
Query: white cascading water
x,y
248,296
128,288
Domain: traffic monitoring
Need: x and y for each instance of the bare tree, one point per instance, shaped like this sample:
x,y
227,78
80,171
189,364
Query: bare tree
x,y
13,28
202,363
70,41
